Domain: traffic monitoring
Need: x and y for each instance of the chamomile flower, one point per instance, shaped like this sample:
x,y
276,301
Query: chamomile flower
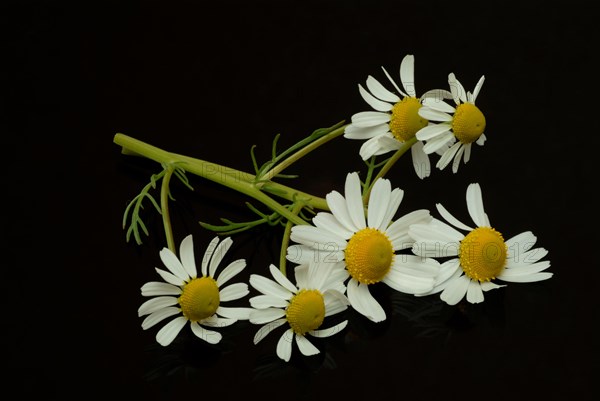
x,y
457,128
481,256
194,299
317,294
396,119
367,246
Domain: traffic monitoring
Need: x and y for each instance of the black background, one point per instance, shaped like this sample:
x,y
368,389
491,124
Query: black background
x,y
212,81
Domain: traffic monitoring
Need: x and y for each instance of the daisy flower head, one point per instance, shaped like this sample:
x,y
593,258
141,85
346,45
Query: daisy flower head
x,y
194,299
478,257
457,128
317,294
366,245
395,119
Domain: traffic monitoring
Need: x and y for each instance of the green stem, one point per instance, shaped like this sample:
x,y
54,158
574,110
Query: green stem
x,y
286,238
231,178
164,206
388,165
269,175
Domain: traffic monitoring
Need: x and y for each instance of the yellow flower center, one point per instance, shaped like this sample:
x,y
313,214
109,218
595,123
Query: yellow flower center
x,y
369,255
482,254
468,123
199,299
405,120
306,311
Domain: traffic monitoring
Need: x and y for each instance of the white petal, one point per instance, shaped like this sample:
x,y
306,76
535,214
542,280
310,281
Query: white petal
x,y
420,160
437,104
363,302
170,278
316,237
474,292
451,219
527,278
305,346
335,302
408,284
447,270
230,271
388,143
301,275
268,301
337,205
455,290
393,83
281,279
369,118
186,252
438,142
167,334
519,245
481,140
233,292
234,313
475,206
437,94
327,221
218,255
488,285
261,316
330,331
407,73
370,148
458,92
216,321
378,202
467,155
395,199
373,101
284,345
159,316
155,288
398,231
173,264
528,257
208,254
478,88
363,133
431,131
300,254
266,329
269,287
211,337
524,270
430,114
155,304
380,91
353,195
448,155
458,158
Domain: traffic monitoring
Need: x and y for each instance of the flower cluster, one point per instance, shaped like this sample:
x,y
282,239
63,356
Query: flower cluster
x,y
353,241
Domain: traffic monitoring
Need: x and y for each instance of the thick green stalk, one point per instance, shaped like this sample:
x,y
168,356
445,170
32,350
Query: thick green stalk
x,y
231,178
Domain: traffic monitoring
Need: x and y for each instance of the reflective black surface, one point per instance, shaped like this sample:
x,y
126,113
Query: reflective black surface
x,y
211,82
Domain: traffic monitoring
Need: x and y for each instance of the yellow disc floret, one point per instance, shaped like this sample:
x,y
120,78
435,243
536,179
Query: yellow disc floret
x,y
468,123
199,299
482,254
405,120
369,255
306,311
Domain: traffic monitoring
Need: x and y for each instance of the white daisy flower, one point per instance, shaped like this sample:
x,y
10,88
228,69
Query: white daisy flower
x,y
194,299
367,246
395,120
464,123
318,293
481,255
